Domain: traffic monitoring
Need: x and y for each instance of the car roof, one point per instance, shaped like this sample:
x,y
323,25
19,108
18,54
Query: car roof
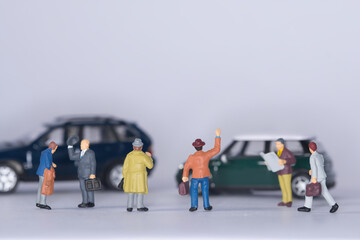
x,y
81,120
272,137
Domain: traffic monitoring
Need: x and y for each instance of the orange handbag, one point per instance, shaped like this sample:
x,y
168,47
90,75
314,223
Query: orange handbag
x,y
48,184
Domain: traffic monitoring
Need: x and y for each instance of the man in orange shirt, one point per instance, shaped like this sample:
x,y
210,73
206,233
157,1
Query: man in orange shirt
x,y
199,163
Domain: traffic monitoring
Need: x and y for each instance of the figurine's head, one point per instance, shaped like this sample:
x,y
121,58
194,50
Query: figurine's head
x,y
312,147
53,146
198,144
85,144
137,144
279,144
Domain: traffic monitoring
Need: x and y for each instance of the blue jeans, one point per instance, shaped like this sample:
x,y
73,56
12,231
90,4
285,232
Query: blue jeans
x,y
204,189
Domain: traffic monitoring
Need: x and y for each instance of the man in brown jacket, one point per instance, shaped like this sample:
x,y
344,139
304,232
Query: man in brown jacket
x,y
199,163
286,158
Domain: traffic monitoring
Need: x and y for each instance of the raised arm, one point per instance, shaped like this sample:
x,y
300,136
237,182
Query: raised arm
x,y
216,148
72,155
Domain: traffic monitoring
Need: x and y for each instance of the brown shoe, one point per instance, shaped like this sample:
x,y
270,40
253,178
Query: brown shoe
x,y
281,204
289,204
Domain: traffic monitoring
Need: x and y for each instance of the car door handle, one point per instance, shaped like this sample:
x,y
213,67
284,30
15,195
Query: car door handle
x,y
261,163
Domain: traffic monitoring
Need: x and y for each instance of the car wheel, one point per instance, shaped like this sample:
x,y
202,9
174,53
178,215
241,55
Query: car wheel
x,y
298,184
8,179
114,175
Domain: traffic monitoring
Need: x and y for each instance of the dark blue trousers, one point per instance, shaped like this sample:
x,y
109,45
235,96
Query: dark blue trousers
x,y
204,189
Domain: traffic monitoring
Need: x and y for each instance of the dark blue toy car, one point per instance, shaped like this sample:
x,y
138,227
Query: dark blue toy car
x,y
110,138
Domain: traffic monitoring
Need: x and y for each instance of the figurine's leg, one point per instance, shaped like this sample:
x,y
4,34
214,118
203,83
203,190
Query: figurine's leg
x,y
83,191
38,197
130,201
308,201
41,199
140,200
194,192
282,187
325,192
90,196
205,191
287,185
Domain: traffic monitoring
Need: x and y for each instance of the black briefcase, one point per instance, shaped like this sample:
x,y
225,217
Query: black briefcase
x,y
121,185
93,184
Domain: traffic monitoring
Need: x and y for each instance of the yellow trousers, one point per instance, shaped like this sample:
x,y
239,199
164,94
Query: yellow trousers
x,y
285,186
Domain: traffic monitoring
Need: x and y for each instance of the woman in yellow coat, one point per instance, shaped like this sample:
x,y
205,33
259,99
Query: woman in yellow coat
x,y
135,175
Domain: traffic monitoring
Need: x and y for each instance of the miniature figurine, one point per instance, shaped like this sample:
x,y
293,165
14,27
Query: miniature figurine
x,y
199,163
286,158
86,163
135,175
46,161
318,174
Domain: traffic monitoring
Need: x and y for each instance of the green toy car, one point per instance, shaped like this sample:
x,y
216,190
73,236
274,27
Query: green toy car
x,y
240,165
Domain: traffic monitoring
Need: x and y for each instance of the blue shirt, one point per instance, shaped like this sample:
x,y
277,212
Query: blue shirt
x,y
45,161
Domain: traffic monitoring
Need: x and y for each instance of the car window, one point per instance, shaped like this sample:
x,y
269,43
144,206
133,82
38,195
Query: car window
x,y
56,135
72,130
294,146
235,150
254,148
125,133
98,134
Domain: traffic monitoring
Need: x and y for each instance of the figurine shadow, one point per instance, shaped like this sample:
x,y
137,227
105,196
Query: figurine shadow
x,y
244,209
247,193
215,209
112,207
56,191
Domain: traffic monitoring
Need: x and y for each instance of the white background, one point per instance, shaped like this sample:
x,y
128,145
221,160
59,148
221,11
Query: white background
x,y
181,69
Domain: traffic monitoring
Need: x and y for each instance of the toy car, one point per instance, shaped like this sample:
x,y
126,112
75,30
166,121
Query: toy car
x,y
110,139
240,165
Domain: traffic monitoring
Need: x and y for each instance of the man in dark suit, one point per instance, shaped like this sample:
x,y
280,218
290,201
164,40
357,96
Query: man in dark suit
x,y
86,162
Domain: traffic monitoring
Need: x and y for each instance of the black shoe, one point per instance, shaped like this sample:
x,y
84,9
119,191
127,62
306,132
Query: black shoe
x,y
143,209
129,209
193,209
83,205
208,208
44,207
334,208
38,205
90,204
304,209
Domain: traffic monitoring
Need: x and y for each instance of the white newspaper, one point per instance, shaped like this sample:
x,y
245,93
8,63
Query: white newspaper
x,y
272,161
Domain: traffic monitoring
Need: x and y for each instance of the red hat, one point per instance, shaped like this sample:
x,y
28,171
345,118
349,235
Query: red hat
x,y
198,143
313,146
